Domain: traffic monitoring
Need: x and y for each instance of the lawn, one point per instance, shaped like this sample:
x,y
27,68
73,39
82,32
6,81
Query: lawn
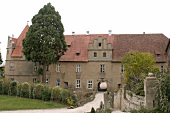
x,y
17,103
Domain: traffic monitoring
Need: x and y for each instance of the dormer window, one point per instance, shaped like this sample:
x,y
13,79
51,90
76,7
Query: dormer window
x,y
158,55
77,54
68,46
100,44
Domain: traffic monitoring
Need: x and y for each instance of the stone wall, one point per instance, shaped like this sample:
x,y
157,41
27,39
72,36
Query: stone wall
x,y
133,101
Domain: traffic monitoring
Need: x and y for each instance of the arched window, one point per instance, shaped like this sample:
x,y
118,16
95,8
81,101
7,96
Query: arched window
x,y
95,54
104,54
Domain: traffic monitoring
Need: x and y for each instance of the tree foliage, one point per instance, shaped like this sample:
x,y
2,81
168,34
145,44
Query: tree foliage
x,y
1,59
137,65
1,67
163,93
45,41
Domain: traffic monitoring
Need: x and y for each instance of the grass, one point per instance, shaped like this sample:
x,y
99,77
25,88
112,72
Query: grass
x,y
17,103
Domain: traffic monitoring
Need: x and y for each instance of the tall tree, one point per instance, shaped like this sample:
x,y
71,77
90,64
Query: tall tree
x,y
0,59
137,65
1,67
45,41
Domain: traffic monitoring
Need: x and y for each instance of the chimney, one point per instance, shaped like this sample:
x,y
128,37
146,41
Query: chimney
x,y
87,33
73,33
110,32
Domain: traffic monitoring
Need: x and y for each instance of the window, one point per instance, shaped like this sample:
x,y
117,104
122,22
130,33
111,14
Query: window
x,y
78,68
104,54
78,83
122,69
158,55
89,84
35,67
68,46
77,54
58,82
100,44
34,80
58,68
11,66
162,69
46,81
95,54
102,68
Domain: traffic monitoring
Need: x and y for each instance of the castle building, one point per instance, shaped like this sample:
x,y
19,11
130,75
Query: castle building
x,y
91,59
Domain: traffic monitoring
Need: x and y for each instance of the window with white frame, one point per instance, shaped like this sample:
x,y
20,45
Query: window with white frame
x,y
34,80
89,84
102,68
11,66
122,69
57,67
35,67
95,54
78,68
58,82
104,54
78,83
162,69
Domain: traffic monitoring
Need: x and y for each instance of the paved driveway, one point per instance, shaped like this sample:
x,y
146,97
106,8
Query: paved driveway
x,y
86,108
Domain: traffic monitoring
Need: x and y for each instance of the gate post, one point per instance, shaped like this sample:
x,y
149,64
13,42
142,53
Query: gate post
x,y
150,101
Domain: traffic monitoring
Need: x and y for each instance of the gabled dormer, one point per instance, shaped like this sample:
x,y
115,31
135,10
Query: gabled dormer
x,y
100,49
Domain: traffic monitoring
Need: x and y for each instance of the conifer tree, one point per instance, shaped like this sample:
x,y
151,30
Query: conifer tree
x,y
0,59
1,67
45,42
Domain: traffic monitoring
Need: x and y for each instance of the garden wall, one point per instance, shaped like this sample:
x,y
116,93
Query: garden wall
x,y
133,101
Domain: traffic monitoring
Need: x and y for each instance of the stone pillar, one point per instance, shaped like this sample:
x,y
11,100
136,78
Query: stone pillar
x,y
117,100
150,101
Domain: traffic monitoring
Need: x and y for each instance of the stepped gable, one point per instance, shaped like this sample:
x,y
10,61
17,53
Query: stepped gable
x,y
154,43
17,52
78,50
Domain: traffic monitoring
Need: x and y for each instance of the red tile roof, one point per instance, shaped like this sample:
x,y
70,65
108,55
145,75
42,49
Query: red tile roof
x,y
121,44
153,43
17,52
79,44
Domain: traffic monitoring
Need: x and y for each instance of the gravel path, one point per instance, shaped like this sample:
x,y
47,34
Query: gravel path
x,y
86,108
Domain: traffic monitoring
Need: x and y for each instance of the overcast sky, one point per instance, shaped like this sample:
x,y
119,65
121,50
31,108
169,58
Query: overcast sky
x,y
95,16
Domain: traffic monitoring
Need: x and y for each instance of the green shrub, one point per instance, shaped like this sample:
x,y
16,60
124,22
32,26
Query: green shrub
x,y
13,88
38,91
108,111
69,101
74,97
93,110
25,90
19,90
46,93
56,95
6,86
65,94
1,86
88,94
143,110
